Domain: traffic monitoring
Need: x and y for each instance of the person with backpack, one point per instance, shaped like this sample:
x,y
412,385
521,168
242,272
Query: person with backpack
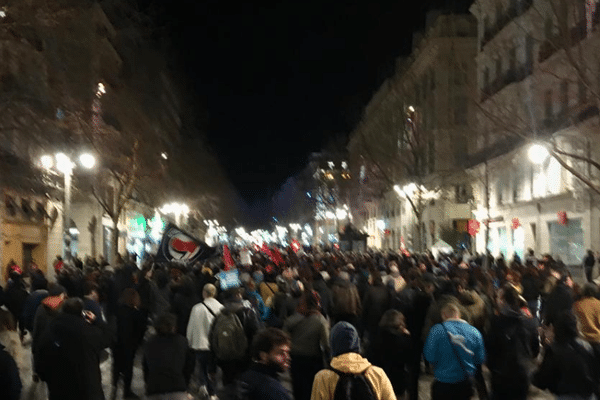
x,y
350,376
270,356
455,350
512,344
230,334
201,318
569,369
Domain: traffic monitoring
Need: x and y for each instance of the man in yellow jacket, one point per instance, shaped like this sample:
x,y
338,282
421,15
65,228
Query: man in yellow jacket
x,y
345,349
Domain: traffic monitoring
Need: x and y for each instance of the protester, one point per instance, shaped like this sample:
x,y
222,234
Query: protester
x,y
391,349
570,370
309,331
346,300
231,333
270,356
587,311
69,354
168,362
512,343
455,349
198,329
131,325
345,350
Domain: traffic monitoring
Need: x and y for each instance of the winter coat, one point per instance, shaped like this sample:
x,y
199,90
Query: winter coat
x,y
309,334
30,307
557,302
377,300
10,381
182,307
568,368
392,351
69,358
512,344
345,298
168,364
587,311
261,382
14,298
326,379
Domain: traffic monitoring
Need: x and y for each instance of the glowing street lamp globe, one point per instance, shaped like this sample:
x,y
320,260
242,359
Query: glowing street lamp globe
x,y
537,153
87,160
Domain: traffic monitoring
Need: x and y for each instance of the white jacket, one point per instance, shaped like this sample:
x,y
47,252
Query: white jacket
x,y
200,321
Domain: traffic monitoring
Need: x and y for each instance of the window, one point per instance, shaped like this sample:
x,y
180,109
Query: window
x,y
548,111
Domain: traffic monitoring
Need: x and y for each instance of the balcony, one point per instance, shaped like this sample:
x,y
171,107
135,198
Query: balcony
x,y
513,75
516,9
576,35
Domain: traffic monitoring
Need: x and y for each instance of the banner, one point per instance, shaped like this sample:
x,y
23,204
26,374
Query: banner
x,y
227,259
178,246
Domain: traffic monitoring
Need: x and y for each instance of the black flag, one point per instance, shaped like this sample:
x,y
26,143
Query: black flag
x,y
178,246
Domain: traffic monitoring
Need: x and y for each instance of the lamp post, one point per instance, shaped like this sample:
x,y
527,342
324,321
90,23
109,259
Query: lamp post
x,y
63,164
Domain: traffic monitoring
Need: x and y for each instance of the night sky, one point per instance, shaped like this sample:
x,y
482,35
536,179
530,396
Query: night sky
x,y
279,78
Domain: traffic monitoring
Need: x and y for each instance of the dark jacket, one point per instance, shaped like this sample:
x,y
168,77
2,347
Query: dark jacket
x,y
568,368
182,305
260,382
558,301
14,298
131,325
345,298
10,381
512,344
69,357
168,364
30,307
377,300
392,352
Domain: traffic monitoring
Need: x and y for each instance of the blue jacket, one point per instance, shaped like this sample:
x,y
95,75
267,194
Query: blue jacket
x,y
468,344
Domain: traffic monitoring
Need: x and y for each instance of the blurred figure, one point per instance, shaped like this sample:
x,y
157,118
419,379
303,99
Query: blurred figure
x,y
69,354
10,380
201,318
131,325
309,331
569,369
391,349
168,362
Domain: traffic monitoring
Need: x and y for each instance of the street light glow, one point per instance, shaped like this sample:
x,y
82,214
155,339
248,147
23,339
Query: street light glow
x,y
537,153
63,163
87,160
47,161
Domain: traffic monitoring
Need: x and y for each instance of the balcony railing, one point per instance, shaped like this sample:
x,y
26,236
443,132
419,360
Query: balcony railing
x,y
513,75
576,34
516,9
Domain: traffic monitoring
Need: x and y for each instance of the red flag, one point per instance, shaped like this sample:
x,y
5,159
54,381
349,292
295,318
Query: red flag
x,y
276,256
562,217
473,227
516,223
295,245
227,259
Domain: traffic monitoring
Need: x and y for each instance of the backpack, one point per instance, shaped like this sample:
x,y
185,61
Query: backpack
x,y
229,341
353,387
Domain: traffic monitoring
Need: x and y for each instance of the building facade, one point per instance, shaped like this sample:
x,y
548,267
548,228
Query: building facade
x,y
414,134
537,69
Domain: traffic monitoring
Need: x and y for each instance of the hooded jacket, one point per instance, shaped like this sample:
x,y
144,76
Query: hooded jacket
x,y
326,380
345,345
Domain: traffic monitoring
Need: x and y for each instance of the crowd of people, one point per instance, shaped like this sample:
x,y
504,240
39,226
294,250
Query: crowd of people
x,y
345,325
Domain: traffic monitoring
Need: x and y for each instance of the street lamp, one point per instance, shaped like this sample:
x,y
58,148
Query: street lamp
x,y
63,164
179,210
537,153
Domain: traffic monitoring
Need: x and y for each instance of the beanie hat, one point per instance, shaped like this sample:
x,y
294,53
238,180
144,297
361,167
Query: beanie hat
x,y
344,339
